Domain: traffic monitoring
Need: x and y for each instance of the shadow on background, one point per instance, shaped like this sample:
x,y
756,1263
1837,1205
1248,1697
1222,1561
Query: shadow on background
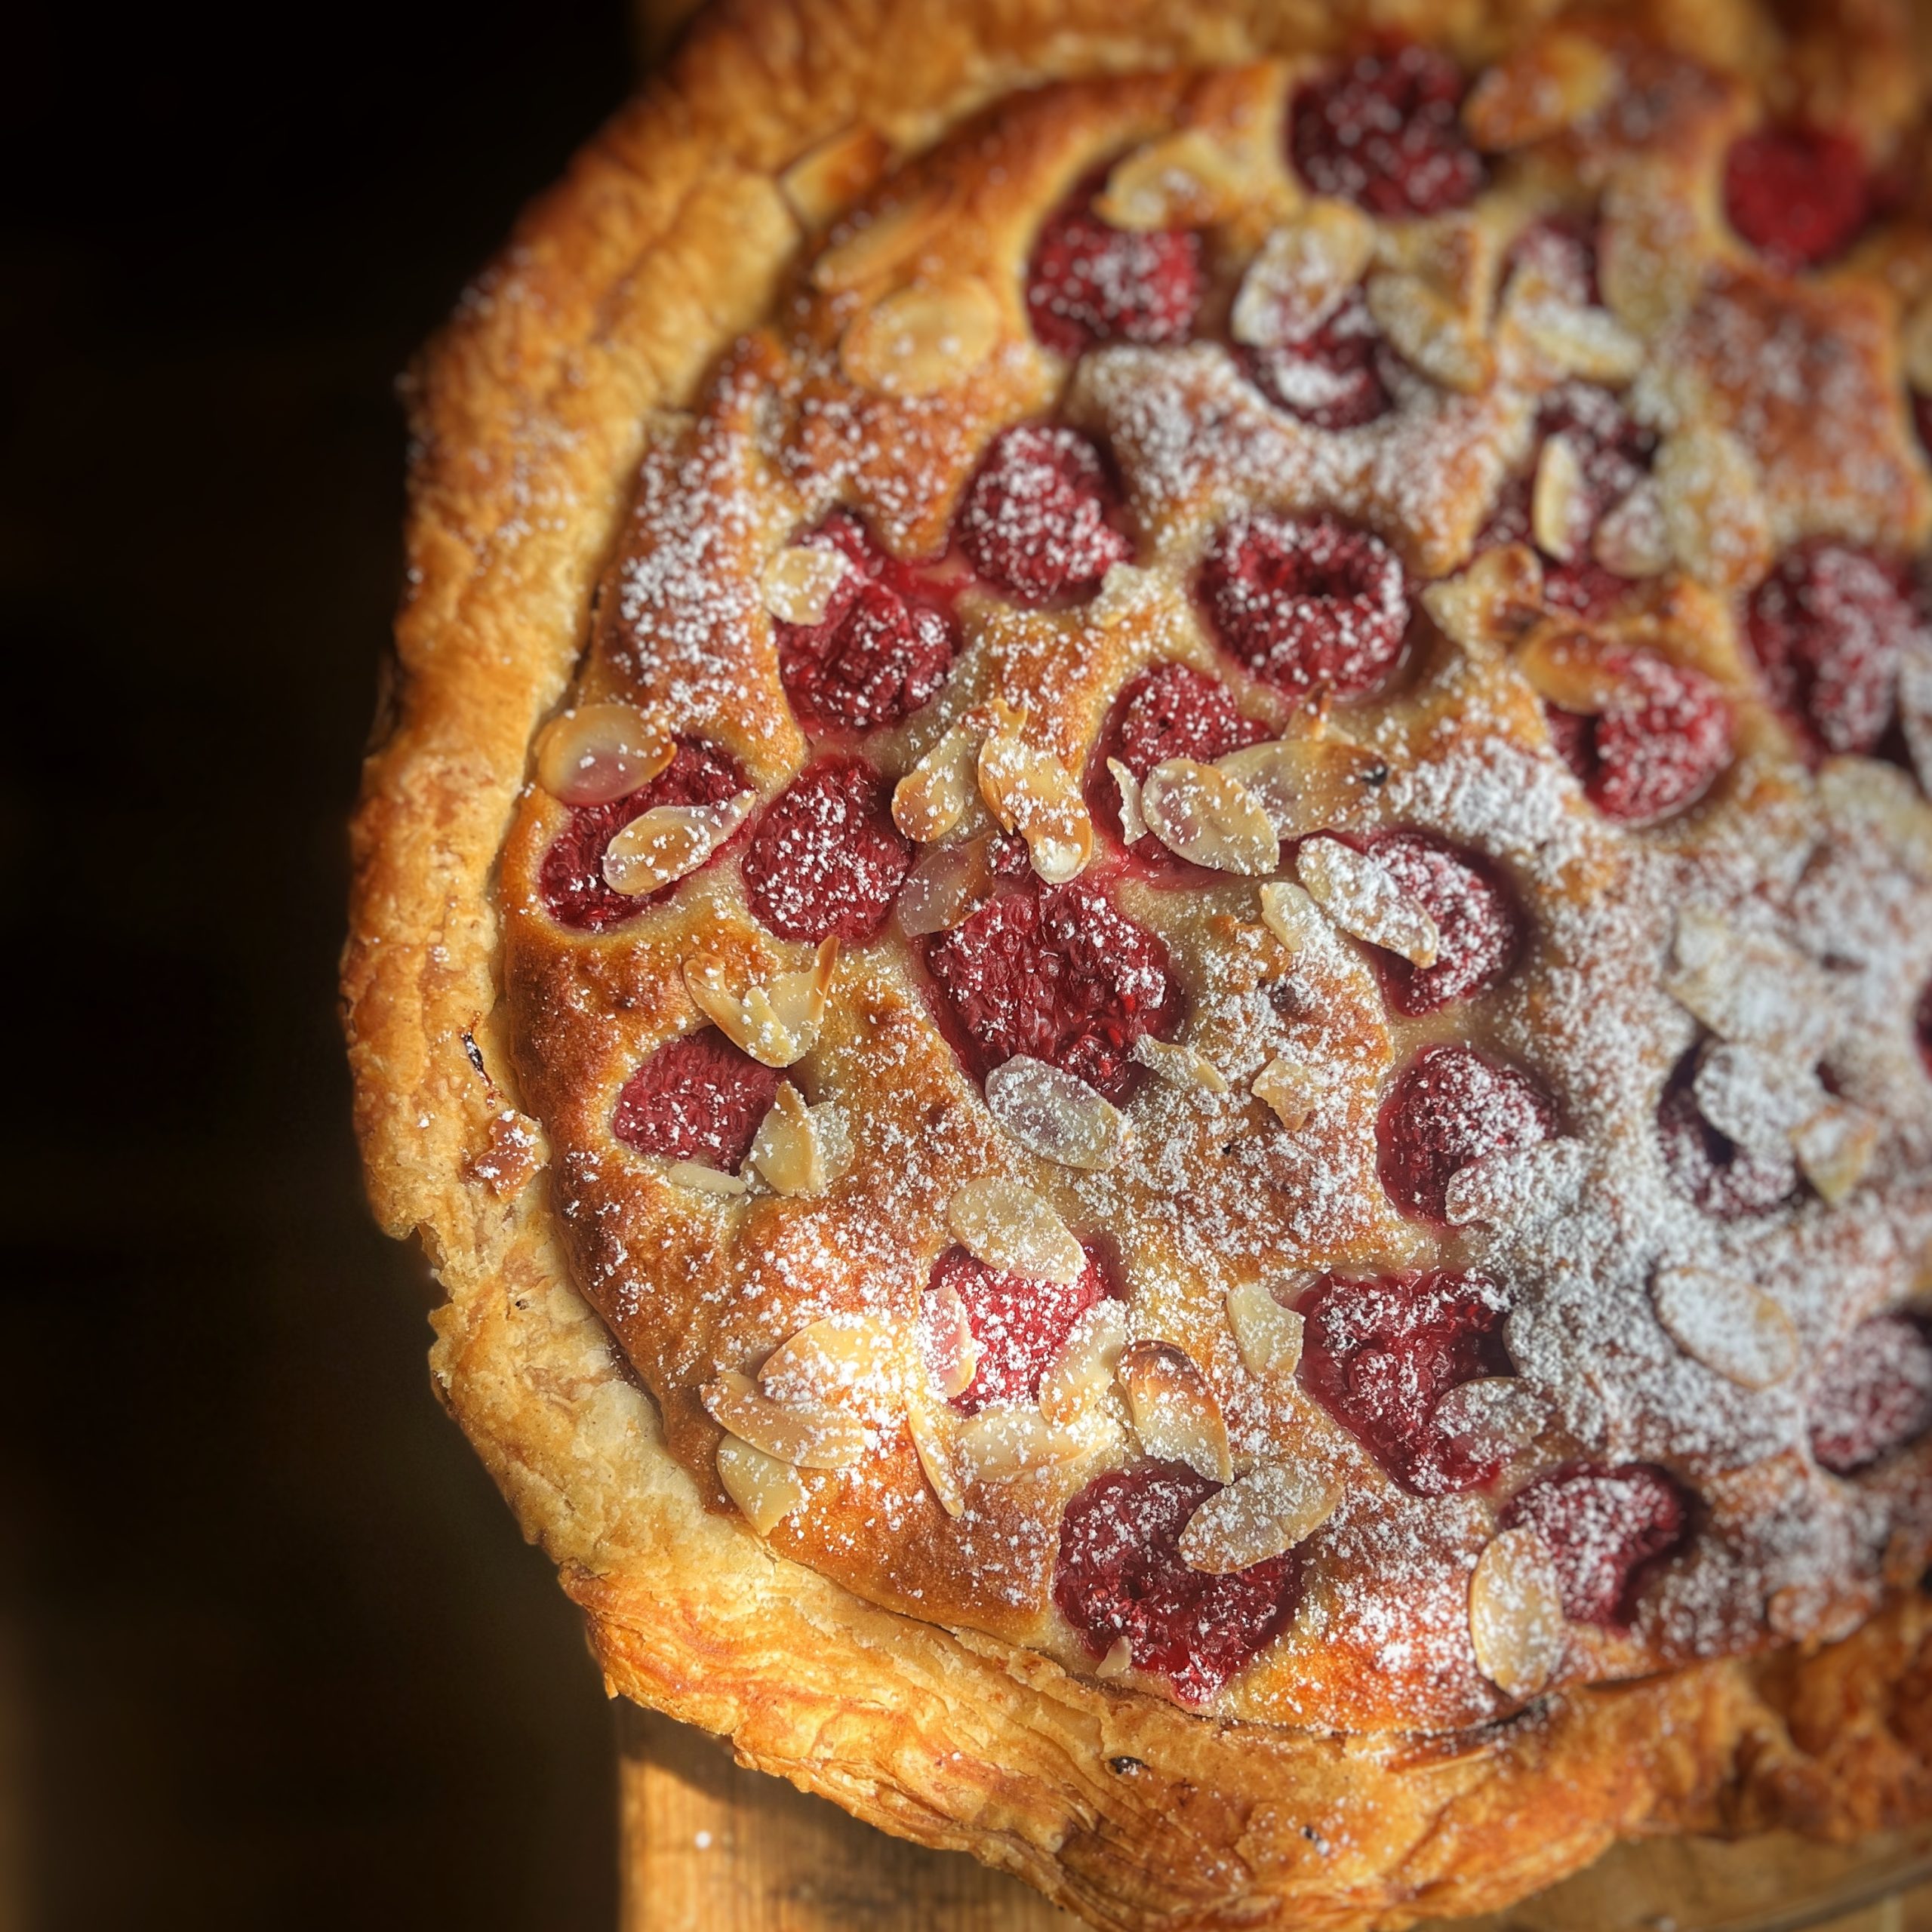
x,y
271,1651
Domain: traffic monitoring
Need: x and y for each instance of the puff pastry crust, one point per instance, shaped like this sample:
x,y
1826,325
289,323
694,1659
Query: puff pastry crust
x,y
768,337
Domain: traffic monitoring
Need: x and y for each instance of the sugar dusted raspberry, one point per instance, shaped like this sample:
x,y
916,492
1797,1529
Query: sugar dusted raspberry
x,y
1306,603
1830,626
1057,973
826,857
1386,134
1873,1394
1606,1528
1021,1325
1168,711
571,876
1718,1177
1335,377
883,647
696,1099
1657,750
1479,930
1120,1573
1450,1108
1380,1354
1035,522
1798,195
1090,282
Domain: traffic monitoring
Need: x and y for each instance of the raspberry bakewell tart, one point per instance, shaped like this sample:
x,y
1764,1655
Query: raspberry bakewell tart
x,y
1144,926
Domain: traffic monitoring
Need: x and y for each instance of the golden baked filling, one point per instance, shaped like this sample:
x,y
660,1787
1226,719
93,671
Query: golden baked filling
x,y
1161,796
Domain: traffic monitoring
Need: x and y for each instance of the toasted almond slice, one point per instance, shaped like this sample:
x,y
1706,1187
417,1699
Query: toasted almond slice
x,y
1311,782
1269,1510
1915,347
825,181
1010,1227
1490,605
1835,1148
882,243
1268,1336
945,888
1179,1066
1361,895
600,752
1542,89
952,1349
1492,1417
1868,796
776,1023
1055,1114
1516,1624
999,1444
932,798
1714,509
1119,1660
765,1489
1132,820
1559,500
788,1151
920,340
929,1445
1185,180
808,1435
1751,988
1084,1369
1754,1098
1174,1411
669,842
702,1180
1431,332
1291,916
1304,273
1727,1325
1030,791
1519,1185
1208,816
1577,340
839,1360
800,580
1288,1089
1570,667
1632,541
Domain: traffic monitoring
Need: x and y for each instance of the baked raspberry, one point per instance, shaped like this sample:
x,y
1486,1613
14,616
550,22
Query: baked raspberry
x,y
1830,626
1020,1324
1606,1529
1386,134
1798,195
1168,711
1477,927
1307,604
1090,282
1720,1178
1656,751
1060,973
826,857
571,876
696,1099
1120,1573
1451,1107
1873,1394
1334,377
1034,523
1380,1354
883,647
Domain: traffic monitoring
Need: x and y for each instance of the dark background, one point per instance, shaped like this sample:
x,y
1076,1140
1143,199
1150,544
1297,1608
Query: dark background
x,y
271,1650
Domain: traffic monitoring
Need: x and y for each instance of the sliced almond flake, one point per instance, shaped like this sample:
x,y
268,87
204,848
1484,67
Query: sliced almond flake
x,y
825,181
1559,500
999,1444
1292,916
1174,1411
600,752
1726,1324
1869,796
800,580
1519,1185
809,1435
1915,347
1289,1090
1714,508
880,243
1119,1660
1029,791
669,842
1055,1115
920,340
952,1350
1754,1098
1492,1417
702,1180
1490,605
1179,1066
789,1152
1632,539
1311,782
945,888
1431,332
776,1023
1268,1336
1587,343
1185,180
1206,816
932,798
1751,988
1132,821
1303,274
838,1360
1540,90
1834,1149
929,1445
1084,1369
765,1489
1361,896
1010,1227
1268,1512
1516,1625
